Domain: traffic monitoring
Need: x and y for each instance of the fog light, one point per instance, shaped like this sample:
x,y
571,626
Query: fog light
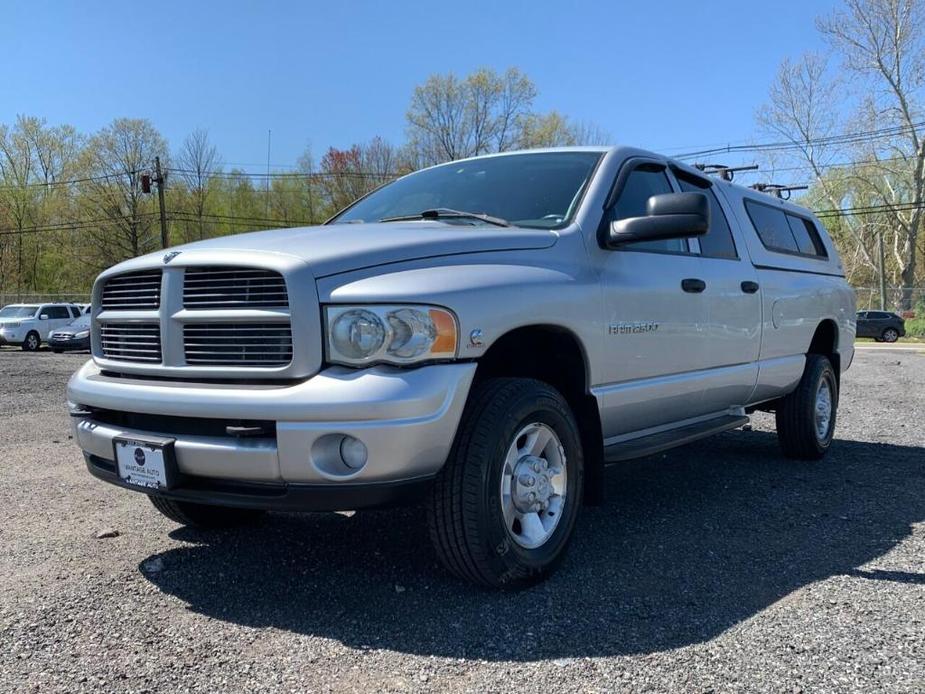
x,y
353,452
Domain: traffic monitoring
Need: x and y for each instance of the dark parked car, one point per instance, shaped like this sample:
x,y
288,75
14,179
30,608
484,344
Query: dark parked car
x,y
73,336
880,325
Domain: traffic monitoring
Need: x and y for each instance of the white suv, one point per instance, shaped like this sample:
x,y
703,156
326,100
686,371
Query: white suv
x,y
29,324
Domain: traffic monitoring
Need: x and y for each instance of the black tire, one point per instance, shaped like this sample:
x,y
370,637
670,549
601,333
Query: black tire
x,y
31,342
890,335
796,413
202,515
465,516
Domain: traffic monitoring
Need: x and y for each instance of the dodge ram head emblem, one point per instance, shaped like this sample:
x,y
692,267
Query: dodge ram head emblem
x,y
170,256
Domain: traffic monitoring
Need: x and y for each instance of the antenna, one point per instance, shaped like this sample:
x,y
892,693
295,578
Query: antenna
x,y
727,173
776,189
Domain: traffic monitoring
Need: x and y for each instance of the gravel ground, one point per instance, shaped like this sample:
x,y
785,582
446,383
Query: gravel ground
x,y
718,567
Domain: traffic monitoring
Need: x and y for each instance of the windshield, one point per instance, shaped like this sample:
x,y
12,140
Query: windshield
x,y
17,311
80,322
539,190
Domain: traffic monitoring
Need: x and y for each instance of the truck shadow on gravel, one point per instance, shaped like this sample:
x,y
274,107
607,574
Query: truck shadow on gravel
x,y
689,544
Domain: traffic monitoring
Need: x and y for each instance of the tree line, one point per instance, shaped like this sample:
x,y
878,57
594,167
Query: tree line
x,y
848,123
852,120
73,203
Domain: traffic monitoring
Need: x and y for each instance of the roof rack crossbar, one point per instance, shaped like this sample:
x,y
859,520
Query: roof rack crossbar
x,y
727,173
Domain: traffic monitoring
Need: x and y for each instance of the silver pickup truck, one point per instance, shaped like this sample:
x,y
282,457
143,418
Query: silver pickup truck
x,y
485,335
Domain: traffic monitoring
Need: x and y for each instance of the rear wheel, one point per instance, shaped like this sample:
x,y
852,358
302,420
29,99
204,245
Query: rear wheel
x,y
890,335
504,506
32,342
203,515
806,417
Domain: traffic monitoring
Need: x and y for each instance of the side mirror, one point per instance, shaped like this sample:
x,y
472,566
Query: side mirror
x,y
44,316
668,216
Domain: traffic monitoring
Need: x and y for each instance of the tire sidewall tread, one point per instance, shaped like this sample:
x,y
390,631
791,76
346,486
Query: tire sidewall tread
x,y
465,518
795,414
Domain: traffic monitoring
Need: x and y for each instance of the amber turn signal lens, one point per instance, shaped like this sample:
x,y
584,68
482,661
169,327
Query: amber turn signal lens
x,y
445,342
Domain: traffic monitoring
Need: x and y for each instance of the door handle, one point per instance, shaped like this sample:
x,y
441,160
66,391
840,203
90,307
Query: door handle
x,y
693,285
749,287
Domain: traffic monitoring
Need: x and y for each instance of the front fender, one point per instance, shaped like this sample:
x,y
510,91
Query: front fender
x,y
489,299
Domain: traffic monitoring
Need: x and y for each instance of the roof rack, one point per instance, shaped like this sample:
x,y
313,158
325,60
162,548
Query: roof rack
x,y
776,189
727,173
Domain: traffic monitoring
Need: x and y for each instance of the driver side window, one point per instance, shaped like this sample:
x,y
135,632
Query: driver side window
x,y
642,183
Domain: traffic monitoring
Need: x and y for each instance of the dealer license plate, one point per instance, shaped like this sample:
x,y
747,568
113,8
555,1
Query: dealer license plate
x,y
144,463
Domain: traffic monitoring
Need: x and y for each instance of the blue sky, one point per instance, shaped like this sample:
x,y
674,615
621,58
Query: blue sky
x,y
666,74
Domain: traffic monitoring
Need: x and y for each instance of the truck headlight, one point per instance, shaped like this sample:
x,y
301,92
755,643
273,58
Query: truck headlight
x,y
363,335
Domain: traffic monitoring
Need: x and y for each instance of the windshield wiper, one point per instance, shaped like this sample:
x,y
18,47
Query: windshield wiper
x,y
445,213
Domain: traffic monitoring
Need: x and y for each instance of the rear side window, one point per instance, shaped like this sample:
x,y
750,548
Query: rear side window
x,y
55,312
806,236
785,232
772,227
717,242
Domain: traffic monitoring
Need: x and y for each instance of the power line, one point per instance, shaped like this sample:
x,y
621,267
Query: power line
x,y
787,145
869,209
73,226
51,184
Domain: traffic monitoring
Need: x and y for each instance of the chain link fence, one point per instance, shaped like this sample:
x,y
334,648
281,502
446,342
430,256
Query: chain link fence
x,y
869,298
26,298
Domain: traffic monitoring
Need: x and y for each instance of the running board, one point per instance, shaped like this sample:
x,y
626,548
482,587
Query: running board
x,y
663,440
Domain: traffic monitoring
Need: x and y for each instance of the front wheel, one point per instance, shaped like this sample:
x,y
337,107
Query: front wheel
x,y
202,515
806,417
504,506
32,342
890,335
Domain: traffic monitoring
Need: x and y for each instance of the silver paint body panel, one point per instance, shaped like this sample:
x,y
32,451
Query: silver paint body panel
x,y
712,353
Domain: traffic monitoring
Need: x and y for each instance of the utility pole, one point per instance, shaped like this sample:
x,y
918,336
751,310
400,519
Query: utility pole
x,y
269,132
882,273
159,179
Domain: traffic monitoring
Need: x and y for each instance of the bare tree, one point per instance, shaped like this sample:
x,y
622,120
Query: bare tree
x,y
198,161
348,174
451,118
556,130
17,194
880,43
117,156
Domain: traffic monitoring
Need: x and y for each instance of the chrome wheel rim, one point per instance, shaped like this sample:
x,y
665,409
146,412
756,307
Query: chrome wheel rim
x,y
31,341
533,485
891,335
823,409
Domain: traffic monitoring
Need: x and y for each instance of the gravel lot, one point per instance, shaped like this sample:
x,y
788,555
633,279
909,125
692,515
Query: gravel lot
x,y
718,567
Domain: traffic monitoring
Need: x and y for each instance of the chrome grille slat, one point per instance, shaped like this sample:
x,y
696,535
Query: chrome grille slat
x,y
139,342
132,291
228,287
222,344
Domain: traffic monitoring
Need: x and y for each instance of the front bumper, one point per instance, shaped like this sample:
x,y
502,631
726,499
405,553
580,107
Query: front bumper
x,y
12,337
69,344
406,418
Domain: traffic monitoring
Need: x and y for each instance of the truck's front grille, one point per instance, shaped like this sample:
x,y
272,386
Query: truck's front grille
x,y
132,291
233,287
216,321
238,344
139,342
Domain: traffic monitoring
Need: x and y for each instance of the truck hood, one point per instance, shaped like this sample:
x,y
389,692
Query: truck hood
x,y
337,248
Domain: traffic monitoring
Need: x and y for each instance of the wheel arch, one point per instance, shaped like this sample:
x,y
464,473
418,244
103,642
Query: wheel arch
x,y
555,355
825,342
